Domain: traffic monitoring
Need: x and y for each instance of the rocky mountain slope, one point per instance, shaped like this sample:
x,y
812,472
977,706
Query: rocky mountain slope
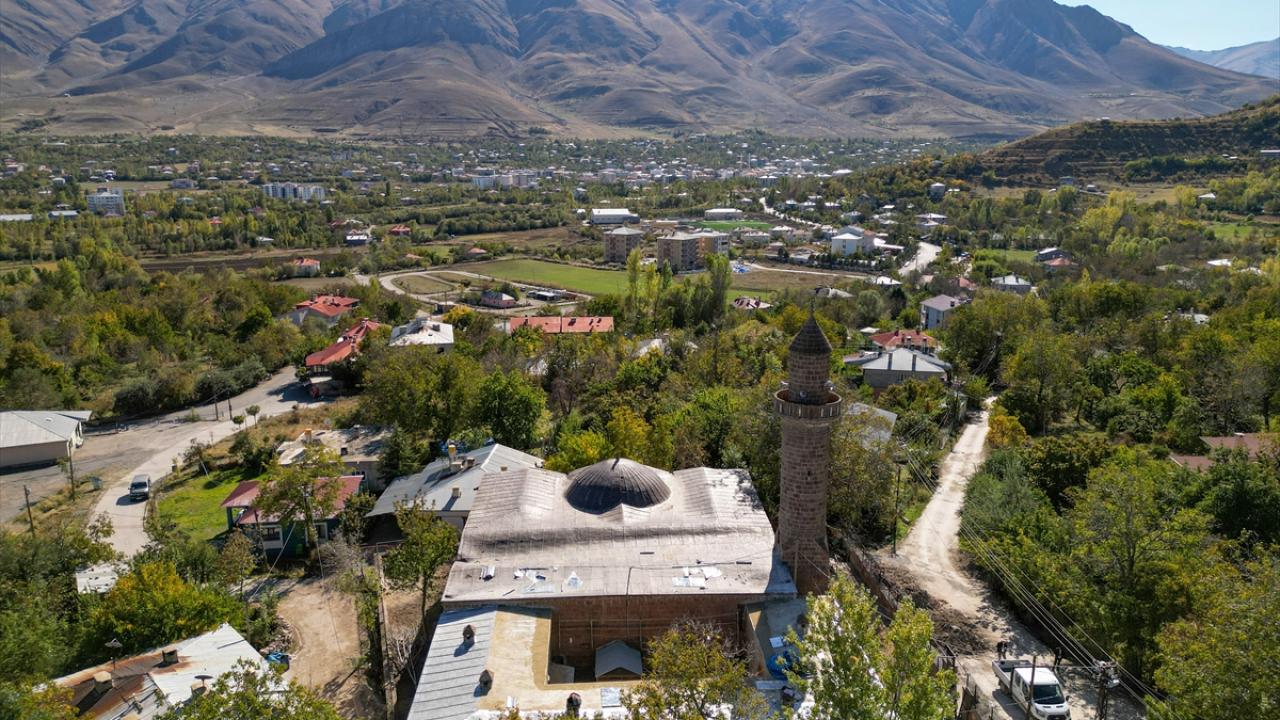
x,y
1260,58
439,68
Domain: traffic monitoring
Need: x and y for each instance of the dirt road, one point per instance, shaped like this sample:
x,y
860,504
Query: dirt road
x,y
326,646
930,557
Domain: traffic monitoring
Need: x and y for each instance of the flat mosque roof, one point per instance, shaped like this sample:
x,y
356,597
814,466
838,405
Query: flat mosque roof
x,y
616,528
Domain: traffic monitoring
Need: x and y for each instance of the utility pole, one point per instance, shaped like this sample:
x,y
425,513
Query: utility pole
x,y
26,494
897,486
1106,681
1031,686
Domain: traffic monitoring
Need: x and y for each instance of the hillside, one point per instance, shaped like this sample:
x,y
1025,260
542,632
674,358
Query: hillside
x,y
440,68
1260,58
1101,149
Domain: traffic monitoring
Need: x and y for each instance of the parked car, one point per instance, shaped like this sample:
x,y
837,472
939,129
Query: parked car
x,y
1048,701
140,488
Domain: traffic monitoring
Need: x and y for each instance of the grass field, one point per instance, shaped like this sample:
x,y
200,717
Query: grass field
x,y
1013,255
565,277
193,502
728,225
421,284
598,282
1237,231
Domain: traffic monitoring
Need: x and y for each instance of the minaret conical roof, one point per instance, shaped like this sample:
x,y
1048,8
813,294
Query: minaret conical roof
x,y
811,340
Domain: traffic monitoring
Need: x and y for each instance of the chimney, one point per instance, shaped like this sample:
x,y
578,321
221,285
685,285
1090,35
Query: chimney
x,y
306,435
102,682
343,450
197,689
486,681
468,636
168,656
457,492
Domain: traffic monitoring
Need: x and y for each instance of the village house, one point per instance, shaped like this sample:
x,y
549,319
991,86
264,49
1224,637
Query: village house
x,y
935,311
447,485
750,303
852,241
304,267
611,216
346,347
106,201
908,338
275,536
328,309
1251,444
889,367
563,325
423,331
1012,283
358,449
497,299
152,683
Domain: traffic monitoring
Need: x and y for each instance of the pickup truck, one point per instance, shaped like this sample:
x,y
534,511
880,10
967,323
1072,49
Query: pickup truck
x,y
140,488
1048,702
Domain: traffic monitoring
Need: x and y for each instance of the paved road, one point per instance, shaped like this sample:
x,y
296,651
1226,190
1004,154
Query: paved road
x,y
155,445
925,254
930,554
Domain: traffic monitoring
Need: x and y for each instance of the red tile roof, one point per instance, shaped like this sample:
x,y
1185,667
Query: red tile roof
x,y
558,325
328,305
345,347
306,262
904,338
244,495
399,230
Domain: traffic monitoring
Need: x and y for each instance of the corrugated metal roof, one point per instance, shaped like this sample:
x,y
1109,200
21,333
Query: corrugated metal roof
x,y
450,680
432,487
37,427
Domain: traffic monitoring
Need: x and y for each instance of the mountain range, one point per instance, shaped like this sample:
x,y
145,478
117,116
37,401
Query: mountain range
x,y
1260,58
444,68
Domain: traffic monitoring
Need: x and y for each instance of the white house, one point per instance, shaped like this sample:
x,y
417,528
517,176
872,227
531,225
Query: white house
x,y
423,331
885,368
851,241
107,201
1012,283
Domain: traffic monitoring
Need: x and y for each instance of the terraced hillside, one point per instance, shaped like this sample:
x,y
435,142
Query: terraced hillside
x,y
1104,148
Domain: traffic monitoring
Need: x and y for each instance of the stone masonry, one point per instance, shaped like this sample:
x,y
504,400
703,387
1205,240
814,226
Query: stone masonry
x,y
808,410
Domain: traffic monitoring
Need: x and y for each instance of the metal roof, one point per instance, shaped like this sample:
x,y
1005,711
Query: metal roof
x,y
146,685
903,360
525,541
450,679
433,486
37,427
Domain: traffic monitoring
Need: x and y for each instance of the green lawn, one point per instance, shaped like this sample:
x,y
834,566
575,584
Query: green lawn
x,y
1236,231
565,277
421,284
729,225
193,501
1012,255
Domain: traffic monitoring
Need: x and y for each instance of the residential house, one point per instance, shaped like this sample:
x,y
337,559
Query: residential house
x,y
328,309
1252,444
304,267
346,347
750,303
619,242
39,437
937,191
357,238
358,449
908,338
423,331
852,241
155,682
399,231
1044,255
935,310
448,485
558,325
285,537
884,368
1012,283
497,299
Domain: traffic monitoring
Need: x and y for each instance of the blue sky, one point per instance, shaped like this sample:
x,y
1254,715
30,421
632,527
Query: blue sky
x,y
1196,24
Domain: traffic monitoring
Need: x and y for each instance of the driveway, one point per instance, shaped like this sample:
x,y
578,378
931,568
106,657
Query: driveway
x,y
925,254
930,557
153,447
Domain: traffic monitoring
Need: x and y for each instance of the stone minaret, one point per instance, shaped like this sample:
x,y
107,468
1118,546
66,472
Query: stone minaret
x,y
808,409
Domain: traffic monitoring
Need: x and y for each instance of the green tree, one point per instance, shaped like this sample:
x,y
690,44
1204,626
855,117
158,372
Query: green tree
x,y
1040,376
578,449
1219,662
303,492
36,702
152,606
692,676
628,434
421,391
429,543
236,561
511,407
247,693
856,674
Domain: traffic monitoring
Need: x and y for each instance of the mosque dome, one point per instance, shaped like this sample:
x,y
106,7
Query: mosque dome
x,y
601,487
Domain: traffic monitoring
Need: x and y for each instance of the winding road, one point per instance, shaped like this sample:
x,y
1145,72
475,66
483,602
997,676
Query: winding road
x,y
930,555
